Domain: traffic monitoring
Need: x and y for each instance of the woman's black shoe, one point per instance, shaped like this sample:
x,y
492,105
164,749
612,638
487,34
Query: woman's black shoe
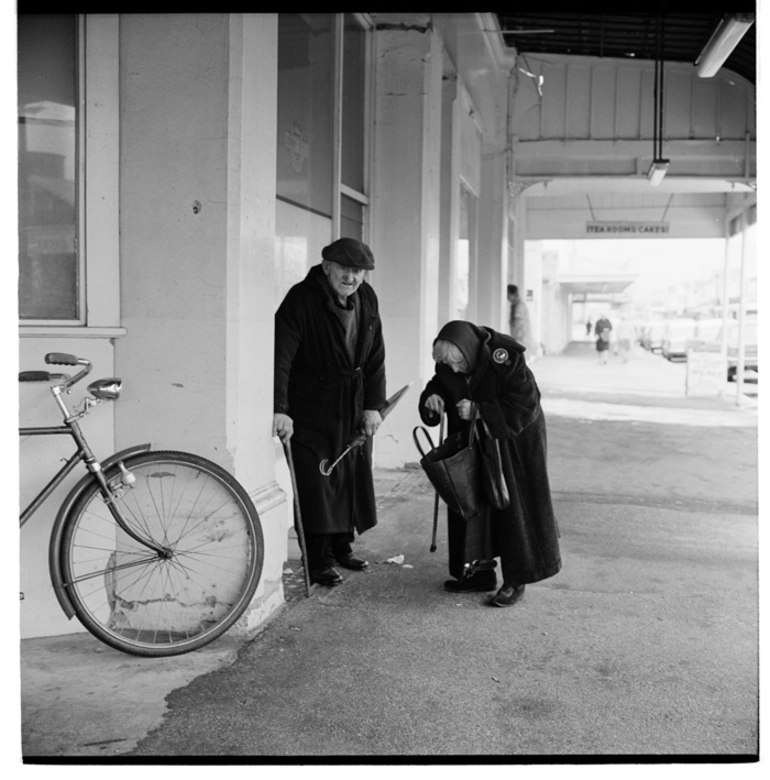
x,y
476,583
507,596
329,576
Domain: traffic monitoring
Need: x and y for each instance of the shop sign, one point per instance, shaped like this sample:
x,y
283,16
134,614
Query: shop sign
x,y
626,229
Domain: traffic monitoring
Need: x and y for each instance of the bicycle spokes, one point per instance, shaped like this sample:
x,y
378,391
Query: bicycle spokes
x,y
203,560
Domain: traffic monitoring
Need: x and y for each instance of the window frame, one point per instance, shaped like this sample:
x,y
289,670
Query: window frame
x,y
97,209
338,188
80,264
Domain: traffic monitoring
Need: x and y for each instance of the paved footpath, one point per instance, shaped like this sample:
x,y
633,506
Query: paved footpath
x,y
644,645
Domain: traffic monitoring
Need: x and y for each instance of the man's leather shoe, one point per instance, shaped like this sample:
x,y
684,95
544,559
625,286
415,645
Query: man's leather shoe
x,y
329,576
476,583
507,596
352,562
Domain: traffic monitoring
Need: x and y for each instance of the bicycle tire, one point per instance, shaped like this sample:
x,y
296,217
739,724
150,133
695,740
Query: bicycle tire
x,y
137,601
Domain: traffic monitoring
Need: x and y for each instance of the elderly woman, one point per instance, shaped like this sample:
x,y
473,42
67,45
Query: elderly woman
x,y
482,374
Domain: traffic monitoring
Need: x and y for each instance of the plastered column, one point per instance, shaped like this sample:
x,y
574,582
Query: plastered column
x,y
198,105
492,279
405,218
251,160
173,221
518,214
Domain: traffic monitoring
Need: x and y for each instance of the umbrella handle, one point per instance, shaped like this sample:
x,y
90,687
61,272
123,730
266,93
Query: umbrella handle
x,y
325,469
323,466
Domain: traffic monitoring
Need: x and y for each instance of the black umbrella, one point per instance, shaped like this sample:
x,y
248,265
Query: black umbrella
x,y
360,438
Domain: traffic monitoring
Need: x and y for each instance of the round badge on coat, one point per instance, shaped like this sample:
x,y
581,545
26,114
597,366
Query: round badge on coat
x,y
500,356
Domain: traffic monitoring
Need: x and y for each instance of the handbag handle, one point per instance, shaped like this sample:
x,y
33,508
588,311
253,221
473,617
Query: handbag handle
x,y
416,441
473,435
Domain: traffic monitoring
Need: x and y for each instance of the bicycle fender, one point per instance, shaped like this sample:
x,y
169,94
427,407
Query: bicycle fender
x,y
54,545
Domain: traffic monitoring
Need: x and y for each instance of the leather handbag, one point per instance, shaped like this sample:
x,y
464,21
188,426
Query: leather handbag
x,y
493,479
454,470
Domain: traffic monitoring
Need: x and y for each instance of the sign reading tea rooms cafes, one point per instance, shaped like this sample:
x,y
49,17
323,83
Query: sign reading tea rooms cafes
x,y
626,229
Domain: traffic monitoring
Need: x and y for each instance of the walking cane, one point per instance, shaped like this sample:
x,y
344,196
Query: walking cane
x,y
435,504
297,515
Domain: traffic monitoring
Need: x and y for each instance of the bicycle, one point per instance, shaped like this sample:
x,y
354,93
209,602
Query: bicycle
x,y
157,553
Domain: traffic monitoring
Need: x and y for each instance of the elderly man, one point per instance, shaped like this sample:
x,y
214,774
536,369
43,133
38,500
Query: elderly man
x,y
330,386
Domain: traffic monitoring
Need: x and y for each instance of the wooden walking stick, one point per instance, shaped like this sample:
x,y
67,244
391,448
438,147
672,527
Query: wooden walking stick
x,y
297,515
436,502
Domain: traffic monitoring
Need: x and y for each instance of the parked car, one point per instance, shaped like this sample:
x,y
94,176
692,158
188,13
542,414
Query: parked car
x,y
676,335
751,349
705,334
652,337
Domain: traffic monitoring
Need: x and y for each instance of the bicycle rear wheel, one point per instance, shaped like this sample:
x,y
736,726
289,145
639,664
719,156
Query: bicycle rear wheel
x,y
146,603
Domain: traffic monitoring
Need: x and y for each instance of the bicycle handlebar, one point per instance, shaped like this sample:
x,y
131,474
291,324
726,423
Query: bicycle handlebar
x,y
59,358
40,376
63,359
69,360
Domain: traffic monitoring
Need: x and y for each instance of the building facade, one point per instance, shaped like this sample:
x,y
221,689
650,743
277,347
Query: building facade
x,y
179,172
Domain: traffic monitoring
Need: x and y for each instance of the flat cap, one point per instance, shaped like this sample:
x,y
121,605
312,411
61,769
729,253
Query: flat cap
x,y
349,252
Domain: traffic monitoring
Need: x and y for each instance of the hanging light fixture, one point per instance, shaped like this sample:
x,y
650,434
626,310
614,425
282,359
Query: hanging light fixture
x,y
659,166
722,43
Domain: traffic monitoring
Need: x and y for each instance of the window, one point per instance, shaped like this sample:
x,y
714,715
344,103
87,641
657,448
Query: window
x,y
50,268
305,111
352,147
321,134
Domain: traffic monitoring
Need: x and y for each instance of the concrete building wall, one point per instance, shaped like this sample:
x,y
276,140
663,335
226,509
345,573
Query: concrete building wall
x,y
198,102
405,217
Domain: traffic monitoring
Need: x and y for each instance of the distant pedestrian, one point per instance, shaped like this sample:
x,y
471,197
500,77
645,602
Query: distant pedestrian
x,y
519,323
588,328
625,337
602,329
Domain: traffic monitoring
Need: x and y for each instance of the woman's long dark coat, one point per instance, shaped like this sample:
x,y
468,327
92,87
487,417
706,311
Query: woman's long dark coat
x,y
325,394
508,398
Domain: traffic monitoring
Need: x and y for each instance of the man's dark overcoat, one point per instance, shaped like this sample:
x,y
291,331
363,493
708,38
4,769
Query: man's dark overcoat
x,y
508,398
325,394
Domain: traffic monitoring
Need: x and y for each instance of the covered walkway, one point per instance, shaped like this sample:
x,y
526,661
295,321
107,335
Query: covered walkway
x,y
646,643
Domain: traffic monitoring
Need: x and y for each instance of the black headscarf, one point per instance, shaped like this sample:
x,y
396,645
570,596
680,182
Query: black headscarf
x,y
465,336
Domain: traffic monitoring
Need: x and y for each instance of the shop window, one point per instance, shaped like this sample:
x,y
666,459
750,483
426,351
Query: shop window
x,y
305,111
353,104
322,120
351,218
50,266
353,200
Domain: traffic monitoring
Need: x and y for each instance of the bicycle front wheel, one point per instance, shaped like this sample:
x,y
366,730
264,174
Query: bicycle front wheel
x,y
151,603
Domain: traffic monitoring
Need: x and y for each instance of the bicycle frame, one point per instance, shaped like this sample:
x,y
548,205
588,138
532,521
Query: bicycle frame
x,y
83,453
97,472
